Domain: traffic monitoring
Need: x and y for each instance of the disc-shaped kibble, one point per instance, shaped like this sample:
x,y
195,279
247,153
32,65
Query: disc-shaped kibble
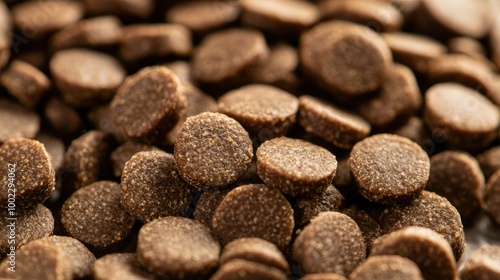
x,y
182,69
17,121
344,57
27,171
254,211
124,153
489,161
279,68
332,242
458,177
55,148
153,89
295,167
130,8
492,197
176,247
95,216
387,268
483,263
152,188
224,55
370,229
431,211
323,276
337,126
62,118
259,108
246,270
466,118
86,77
306,208
424,247
415,130
119,266
207,204
389,169
212,150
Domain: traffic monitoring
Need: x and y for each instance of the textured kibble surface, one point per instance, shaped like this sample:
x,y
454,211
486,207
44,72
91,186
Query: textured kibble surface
x,y
119,266
125,152
489,161
243,269
54,147
17,121
370,229
492,197
483,263
306,208
207,204
387,268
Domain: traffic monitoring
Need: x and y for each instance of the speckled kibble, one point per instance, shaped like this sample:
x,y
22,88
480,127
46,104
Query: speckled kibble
x,y
483,263
207,204
124,153
489,161
387,268
17,121
370,229
120,266
307,208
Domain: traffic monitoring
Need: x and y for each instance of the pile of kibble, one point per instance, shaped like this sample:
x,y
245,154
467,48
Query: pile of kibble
x,y
250,139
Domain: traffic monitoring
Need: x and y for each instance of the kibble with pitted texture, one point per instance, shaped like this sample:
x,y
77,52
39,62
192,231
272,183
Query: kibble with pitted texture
x,y
240,269
119,266
489,161
306,208
17,121
54,147
482,264
492,197
387,268
370,229
125,152
207,204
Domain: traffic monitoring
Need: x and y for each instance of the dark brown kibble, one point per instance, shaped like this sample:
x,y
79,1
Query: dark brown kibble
x,y
5,18
254,211
482,264
25,82
489,161
207,204
119,266
100,117
176,247
264,111
415,130
246,270
337,126
494,42
5,45
330,234
54,147
95,216
389,169
129,8
62,118
212,150
182,69
462,115
431,211
343,180
426,248
278,69
323,276
471,48
86,77
306,208
345,58
387,268
152,188
458,177
28,168
492,197
17,121
370,229
124,153
156,90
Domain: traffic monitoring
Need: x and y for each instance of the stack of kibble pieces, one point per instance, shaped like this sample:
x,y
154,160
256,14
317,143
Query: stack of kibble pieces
x,y
250,139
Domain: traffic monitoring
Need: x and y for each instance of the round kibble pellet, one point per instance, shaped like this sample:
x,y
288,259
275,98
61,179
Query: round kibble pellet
x,y
246,270
489,161
151,187
387,268
156,90
295,167
129,8
119,266
212,150
176,247
332,242
125,152
482,264
254,211
17,121
259,108
55,148
415,130
62,118
207,204
182,69
370,229
279,68
492,197
389,169
95,216
100,117
426,248
323,276
306,208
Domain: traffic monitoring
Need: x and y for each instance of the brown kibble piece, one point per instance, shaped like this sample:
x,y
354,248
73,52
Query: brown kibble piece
x,y
151,187
17,121
323,276
345,58
95,216
489,161
212,150
119,266
426,248
55,148
387,268
207,204
431,211
254,211
5,44
466,118
389,169
100,117
492,197
64,119
25,82
5,18
264,111
329,234
176,247
337,126
27,166
306,208
278,69
494,42
415,130
483,263
471,48
458,177
86,77
182,69
129,8
246,270
370,229
155,90
124,153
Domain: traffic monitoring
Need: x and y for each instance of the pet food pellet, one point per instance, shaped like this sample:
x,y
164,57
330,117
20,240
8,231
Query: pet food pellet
x,y
182,69
414,129
295,167
86,77
126,9
212,150
222,57
151,187
387,268
124,153
343,180
17,121
492,197
28,168
323,276
54,146
494,42
119,266
466,118
458,177
155,89
278,69
25,82
37,57
95,216
176,247
389,169
207,204
431,211
86,159
5,45
426,248
489,161
100,118
203,16
62,118
468,46
344,57
330,234
254,211
337,126
306,208
5,18
370,229
482,264
246,270
261,108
